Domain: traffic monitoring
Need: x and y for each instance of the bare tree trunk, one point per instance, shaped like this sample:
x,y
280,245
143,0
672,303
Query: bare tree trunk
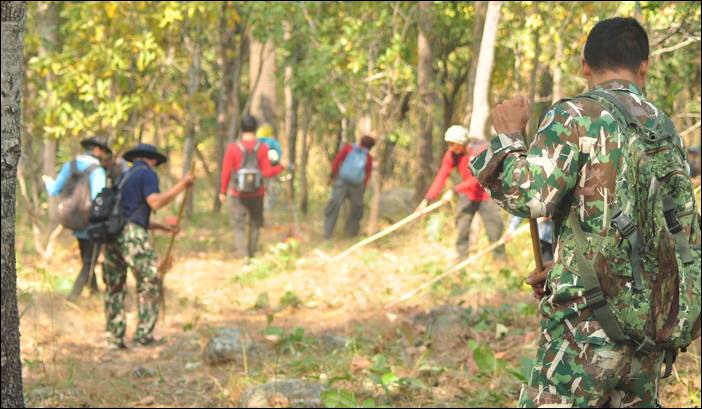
x,y
194,47
480,11
48,24
234,105
226,63
290,110
305,154
263,87
13,14
427,95
480,114
558,71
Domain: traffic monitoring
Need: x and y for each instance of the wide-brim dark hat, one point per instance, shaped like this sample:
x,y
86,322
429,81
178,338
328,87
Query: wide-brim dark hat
x,y
96,141
144,150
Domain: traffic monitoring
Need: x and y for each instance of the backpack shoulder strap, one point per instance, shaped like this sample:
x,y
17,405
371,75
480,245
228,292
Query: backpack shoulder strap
x,y
74,167
594,296
629,118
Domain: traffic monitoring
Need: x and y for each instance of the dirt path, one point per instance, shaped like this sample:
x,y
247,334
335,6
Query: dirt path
x,y
66,362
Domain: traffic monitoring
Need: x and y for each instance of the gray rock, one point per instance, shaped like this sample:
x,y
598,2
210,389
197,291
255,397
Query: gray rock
x,y
446,329
227,345
291,393
142,372
396,204
332,342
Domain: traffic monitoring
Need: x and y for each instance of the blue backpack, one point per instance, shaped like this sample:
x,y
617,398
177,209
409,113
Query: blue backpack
x,y
353,170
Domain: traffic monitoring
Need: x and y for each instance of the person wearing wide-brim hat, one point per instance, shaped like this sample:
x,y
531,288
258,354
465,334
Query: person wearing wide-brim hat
x,y
75,178
141,195
96,141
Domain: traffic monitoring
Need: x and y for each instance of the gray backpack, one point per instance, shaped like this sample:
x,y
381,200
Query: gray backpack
x,y
248,179
75,200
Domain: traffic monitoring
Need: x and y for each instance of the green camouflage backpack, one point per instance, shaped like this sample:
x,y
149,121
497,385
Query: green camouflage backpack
x,y
642,278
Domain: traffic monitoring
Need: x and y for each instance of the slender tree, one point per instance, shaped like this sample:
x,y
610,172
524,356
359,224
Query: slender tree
x,y
13,13
478,120
428,100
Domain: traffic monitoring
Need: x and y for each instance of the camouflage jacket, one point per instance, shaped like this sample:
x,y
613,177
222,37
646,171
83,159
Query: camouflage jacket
x,y
573,161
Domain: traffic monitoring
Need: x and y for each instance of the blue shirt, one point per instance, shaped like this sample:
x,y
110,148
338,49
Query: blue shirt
x,y
142,182
97,181
545,228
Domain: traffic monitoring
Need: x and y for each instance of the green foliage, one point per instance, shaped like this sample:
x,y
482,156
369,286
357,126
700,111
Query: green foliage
x,y
338,398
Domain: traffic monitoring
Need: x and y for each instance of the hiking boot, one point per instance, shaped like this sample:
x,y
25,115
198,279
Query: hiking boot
x,y
149,341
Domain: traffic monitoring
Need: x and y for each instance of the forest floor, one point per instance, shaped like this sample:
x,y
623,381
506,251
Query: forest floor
x,y
384,361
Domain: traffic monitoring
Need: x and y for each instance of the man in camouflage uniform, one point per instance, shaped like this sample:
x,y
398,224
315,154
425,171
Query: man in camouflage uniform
x,y
140,195
573,162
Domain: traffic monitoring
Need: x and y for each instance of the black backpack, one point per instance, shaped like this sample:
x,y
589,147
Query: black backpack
x,y
248,178
107,219
75,200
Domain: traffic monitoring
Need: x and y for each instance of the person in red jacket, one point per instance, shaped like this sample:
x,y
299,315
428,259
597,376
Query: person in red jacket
x,y
247,159
352,169
471,199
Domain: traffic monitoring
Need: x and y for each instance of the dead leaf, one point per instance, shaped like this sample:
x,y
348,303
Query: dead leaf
x,y
148,400
359,363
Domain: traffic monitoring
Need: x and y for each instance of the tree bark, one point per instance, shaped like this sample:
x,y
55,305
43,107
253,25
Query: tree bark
x,y
305,154
13,16
48,24
290,109
192,43
226,61
428,100
262,83
480,110
558,70
480,11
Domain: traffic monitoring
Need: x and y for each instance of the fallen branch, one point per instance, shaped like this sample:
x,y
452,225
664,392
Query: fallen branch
x,y
504,239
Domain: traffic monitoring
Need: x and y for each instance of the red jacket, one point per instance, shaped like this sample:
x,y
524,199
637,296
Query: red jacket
x,y
469,187
232,162
339,159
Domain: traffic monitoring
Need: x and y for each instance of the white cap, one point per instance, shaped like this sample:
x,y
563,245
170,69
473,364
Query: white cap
x,y
456,134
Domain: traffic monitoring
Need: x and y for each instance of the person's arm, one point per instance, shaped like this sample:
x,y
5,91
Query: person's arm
x,y
157,200
170,228
339,159
369,169
531,182
227,164
440,180
54,187
267,170
514,222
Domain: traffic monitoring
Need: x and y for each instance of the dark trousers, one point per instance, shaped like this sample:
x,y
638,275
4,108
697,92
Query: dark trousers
x,y
247,219
489,212
341,191
87,248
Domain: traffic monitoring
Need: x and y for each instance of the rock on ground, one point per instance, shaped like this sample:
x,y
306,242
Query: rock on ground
x,y
288,393
227,345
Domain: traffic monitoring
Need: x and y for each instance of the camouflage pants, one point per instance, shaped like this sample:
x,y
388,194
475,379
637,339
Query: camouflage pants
x,y
577,365
131,249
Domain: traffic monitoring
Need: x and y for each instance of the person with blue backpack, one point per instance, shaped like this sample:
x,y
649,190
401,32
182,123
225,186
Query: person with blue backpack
x,y
77,184
351,171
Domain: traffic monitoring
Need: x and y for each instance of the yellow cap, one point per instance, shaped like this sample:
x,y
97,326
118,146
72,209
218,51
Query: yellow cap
x,y
264,131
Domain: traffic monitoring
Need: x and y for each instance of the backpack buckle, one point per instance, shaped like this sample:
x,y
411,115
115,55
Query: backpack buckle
x,y
623,224
595,298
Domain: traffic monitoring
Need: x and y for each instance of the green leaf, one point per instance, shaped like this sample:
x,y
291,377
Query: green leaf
x,y
338,398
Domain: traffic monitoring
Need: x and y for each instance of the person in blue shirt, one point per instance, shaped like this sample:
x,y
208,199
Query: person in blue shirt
x,y
545,226
132,249
96,150
264,134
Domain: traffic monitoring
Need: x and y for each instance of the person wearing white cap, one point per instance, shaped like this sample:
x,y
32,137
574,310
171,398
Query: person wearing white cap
x,y
472,197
